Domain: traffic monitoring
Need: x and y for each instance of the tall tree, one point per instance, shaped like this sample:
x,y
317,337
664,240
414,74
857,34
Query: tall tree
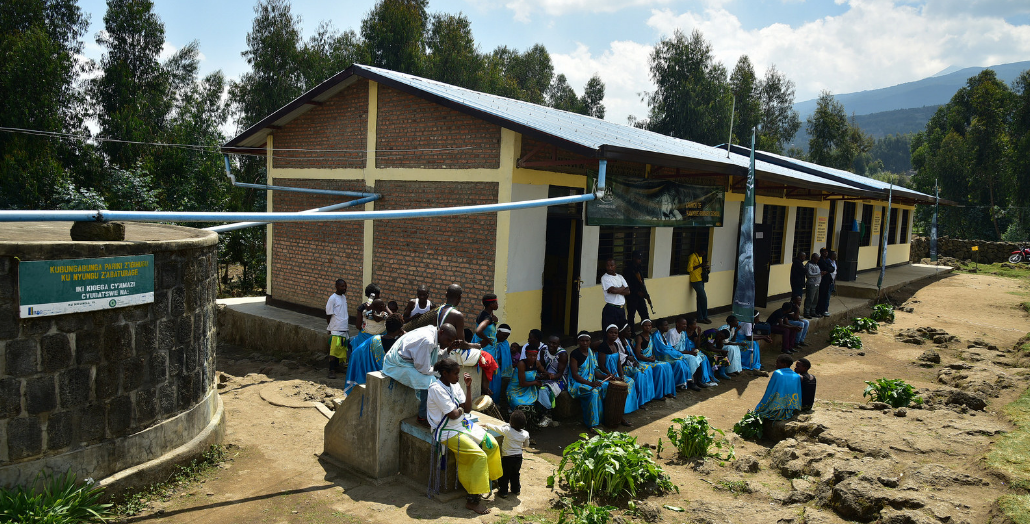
x,y
1019,160
394,35
691,99
523,76
747,104
592,101
453,57
834,141
39,40
328,52
131,93
562,96
272,52
779,121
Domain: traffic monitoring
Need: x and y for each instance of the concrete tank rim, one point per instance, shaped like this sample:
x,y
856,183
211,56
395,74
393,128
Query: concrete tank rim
x,y
52,240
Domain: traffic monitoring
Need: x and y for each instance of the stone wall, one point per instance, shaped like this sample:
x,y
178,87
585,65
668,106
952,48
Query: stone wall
x,y
962,249
78,390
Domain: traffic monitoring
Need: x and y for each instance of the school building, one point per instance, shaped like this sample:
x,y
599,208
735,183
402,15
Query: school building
x,y
423,144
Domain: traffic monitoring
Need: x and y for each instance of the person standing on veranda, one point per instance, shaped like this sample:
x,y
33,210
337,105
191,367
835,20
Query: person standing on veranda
x,y
638,298
615,290
696,266
337,318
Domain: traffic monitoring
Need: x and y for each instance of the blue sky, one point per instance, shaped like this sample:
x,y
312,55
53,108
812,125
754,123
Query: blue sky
x,y
842,46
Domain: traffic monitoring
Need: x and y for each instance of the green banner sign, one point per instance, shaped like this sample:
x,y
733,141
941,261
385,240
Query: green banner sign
x,y
56,287
652,202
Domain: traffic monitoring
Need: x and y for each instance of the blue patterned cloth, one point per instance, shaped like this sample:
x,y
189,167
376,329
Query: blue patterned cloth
x,y
750,356
366,358
681,370
782,396
501,351
664,383
591,398
522,396
633,402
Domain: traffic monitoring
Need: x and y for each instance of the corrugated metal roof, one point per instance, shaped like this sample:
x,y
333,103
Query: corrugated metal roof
x,y
580,133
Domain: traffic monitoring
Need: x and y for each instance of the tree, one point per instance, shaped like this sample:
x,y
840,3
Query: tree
x,y
894,152
691,98
560,95
327,53
747,104
523,76
272,52
834,141
779,121
394,35
453,57
39,40
130,95
592,101
1019,160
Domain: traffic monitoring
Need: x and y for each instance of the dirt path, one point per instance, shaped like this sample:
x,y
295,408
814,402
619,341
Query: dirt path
x,y
276,476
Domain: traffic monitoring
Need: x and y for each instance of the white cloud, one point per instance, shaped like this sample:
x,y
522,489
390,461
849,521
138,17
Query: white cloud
x,y
875,43
623,68
525,9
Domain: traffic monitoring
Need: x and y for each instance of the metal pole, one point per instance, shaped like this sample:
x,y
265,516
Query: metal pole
x,y
244,225
232,178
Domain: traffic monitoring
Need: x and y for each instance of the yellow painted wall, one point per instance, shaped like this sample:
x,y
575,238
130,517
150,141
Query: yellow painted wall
x,y
522,312
867,257
898,253
779,279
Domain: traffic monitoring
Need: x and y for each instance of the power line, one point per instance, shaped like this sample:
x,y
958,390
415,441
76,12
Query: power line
x,y
217,149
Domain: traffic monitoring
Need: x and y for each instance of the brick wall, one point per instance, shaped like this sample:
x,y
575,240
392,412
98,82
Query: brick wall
x,y
409,122
308,257
340,123
435,251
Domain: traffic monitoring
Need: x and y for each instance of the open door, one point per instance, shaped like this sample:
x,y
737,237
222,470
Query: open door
x,y
559,311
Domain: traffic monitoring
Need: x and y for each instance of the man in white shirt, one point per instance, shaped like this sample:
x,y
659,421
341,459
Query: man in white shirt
x,y
410,361
615,289
338,319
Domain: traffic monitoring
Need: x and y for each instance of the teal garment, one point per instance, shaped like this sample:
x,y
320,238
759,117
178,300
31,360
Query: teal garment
x,y
782,397
681,372
633,402
750,356
522,396
591,398
501,351
683,345
366,358
664,382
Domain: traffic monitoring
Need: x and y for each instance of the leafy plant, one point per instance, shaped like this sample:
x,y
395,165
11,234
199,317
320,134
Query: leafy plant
x,y
610,464
750,426
733,486
883,313
864,324
696,437
845,337
585,514
895,392
54,500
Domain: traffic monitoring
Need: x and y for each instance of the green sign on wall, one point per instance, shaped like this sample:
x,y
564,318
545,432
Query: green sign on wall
x,y
56,287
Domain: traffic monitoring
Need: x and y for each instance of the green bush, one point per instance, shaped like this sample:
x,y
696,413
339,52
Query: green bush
x,y
53,500
749,427
845,337
696,438
895,392
585,514
883,313
612,465
864,324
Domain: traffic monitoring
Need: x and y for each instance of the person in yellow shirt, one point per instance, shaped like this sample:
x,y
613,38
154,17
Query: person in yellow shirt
x,y
695,267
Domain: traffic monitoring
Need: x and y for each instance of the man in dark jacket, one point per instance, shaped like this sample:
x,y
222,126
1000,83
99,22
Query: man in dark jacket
x,y
634,273
797,275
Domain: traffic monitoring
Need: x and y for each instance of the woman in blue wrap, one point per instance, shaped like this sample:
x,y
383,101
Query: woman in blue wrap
x,y
613,359
583,381
524,388
782,397
682,371
742,335
494,340
368,356
664,381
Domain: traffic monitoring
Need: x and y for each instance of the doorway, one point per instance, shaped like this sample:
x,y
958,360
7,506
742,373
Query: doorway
x,y
559,311
763,253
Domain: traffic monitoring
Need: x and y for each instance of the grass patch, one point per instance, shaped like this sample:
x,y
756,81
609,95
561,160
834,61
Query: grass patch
x,y
1016,507
1020,271
181,478
1011,453
736,487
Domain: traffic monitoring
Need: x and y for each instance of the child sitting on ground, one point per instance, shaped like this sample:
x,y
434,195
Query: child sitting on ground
x,y
515,438
801,367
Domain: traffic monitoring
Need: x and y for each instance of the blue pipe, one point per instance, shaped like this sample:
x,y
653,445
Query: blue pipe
x,y
602,168
244,225
232,178
176,216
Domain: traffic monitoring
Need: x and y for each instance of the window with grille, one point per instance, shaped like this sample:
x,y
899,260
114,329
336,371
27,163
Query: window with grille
x,y
776,218
685,240
867,225
903,236
847,220
804,229
620,243
892,227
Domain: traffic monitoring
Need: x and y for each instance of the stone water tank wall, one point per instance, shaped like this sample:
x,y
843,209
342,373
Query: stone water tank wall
x,y
102,392
962,249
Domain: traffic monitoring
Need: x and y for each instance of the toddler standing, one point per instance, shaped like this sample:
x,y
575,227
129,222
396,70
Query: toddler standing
x,y
515,438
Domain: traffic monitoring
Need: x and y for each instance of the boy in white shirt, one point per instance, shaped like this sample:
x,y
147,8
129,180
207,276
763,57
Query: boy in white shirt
x,y
515,438
338,319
